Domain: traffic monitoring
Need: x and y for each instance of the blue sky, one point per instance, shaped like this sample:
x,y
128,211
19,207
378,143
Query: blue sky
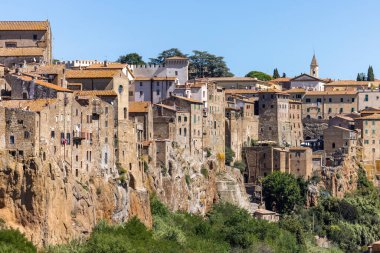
x,y
251,35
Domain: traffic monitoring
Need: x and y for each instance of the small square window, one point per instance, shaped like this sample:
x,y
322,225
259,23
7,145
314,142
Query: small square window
x,y
34,36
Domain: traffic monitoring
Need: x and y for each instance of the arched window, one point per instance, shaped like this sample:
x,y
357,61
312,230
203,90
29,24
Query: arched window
x,y
125,112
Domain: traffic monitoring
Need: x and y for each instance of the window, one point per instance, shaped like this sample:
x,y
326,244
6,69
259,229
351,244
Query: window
x,y
333,145
125,112
106,109
120,88
130,93
141,83
106,123
341,100
366,98
141,93
34,36
10,44
308,100
52,134
158,92
158,84
319,100
308,109
341,110
352,109
352,99
330,100
105,158
184,132
179,118
67,138
176,73
11,139
366,142
329,110
185,119
26,135
180,131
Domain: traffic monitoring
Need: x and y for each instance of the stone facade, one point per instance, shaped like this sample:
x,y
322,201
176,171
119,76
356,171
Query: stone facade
x,y
25,41
274,124
296,126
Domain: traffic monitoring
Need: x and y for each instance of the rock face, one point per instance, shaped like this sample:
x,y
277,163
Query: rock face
x,y
193,185
50,206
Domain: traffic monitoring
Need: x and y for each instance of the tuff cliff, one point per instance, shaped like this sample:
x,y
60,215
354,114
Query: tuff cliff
x,y
50,206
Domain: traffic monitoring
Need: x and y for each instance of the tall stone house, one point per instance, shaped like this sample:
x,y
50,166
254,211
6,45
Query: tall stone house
x,y
25,42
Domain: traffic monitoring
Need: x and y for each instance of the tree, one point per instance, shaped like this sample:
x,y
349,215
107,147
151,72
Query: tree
x,y
370,74
259,75
131,59
284,75
275,73
230,154
282,192
166,54
204,64
361,77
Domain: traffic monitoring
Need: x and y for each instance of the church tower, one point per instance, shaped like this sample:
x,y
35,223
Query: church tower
x,y
314,67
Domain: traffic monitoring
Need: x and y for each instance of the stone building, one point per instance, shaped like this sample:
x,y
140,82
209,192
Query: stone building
x,y
308,82
26,87
265,159
369,127
25,42
340,139
244,83
327,104
274,123
368,98
241,125
295,121
352,85
301,162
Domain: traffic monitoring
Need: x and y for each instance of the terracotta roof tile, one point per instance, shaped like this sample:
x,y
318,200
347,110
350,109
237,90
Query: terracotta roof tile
x,y
24,25
24,51
43,83
95,93
374,116
274,91
166,107
139,106
330,93
280,80
188,99
91,74
296,90
27,105
143,78
352,83
240,91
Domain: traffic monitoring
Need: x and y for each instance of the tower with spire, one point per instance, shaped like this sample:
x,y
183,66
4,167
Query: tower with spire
x,y
314,67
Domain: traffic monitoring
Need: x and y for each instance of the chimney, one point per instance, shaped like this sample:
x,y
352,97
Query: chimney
x,y
105,63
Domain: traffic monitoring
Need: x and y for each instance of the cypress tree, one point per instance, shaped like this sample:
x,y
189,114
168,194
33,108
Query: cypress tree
x,y
275,73
370,74
284,75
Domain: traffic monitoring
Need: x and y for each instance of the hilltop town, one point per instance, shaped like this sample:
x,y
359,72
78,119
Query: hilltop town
x,y
88,140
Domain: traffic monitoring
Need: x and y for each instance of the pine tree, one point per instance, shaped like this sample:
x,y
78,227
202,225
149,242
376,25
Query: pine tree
x,y
361,77
275,73
370,74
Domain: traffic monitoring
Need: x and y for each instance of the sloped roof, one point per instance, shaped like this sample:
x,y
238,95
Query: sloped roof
x,y
27,105
296,90
144,78
280,80
43,83
24,25
240,91
91,74
374,116
274,91
95,93
166,107
352,83
314,61
142,106
188,99
24,51
330,93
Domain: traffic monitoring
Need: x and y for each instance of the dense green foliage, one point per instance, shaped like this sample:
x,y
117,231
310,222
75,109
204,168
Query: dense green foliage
x,y
204,64
230,155
13,241
361,77
259,75
282,192
160,59
132,59
225,229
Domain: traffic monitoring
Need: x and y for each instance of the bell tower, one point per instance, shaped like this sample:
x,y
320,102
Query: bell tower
x,y
314,67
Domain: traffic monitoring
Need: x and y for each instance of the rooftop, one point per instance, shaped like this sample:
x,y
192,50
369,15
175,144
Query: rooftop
x,y
43,83
91,74
25,51
352,83
374,116
166,107
139,106
27,105
330,93
188,99
24,25
145,78
296,90
240,91
95,93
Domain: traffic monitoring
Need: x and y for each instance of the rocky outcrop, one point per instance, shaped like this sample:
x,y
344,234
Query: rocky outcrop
x,y
50,205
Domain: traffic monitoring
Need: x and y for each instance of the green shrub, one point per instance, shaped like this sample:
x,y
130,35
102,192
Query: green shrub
x,y
204,172
240,165
146,167
187,179
13,241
